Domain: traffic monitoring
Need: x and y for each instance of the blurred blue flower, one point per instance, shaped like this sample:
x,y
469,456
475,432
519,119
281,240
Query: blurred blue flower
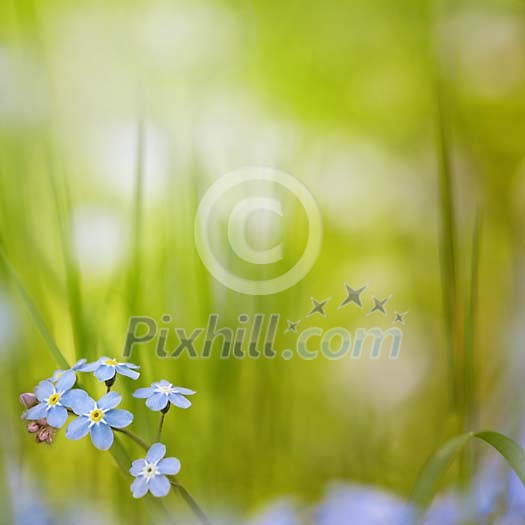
x,y
514,495
97,419
160,394
54,400
57,374
150,473
447,509
283,512
346,504
478,505
26,505
106,369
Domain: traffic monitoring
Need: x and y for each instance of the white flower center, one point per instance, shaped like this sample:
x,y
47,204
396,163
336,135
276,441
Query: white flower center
x,y
149,471
165,389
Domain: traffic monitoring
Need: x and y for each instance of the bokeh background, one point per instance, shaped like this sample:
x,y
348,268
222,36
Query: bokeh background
x,y
116,117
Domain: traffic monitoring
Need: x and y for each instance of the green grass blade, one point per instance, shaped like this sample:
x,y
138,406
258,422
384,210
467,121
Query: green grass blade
x,y
35,314
470,332
135,273
73,286
428,481
509,449
448,242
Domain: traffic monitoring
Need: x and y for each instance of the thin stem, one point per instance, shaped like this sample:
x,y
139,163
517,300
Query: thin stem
x,y
187,497
133,436
161,425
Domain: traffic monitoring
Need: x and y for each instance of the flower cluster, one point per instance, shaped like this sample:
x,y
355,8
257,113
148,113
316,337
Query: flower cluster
x,y
55,399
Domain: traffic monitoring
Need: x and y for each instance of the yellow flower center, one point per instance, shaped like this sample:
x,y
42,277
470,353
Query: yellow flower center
x,y
111,362
96,415
54,399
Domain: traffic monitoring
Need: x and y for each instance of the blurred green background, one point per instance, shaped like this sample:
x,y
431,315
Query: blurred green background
x,y
116,117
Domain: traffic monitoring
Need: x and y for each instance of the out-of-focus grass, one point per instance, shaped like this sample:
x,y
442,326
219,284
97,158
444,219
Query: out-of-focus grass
x,y
348,78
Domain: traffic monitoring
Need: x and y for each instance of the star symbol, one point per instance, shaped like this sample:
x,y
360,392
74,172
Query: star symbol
x,y
379,306
318,307
400,318
353,296
292,326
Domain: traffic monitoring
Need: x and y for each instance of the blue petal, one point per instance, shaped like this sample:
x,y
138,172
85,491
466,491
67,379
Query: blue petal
x,y
57,416
79,364
82,405
66,381
37,412
105,372
184,391
102,436
44,390
159,486
162,382
137,466
139,487
156,452
90,367
57,374
179,401
78,428
169,466
110,400
118,418
125,371
69,398
157,401
131,365
143,393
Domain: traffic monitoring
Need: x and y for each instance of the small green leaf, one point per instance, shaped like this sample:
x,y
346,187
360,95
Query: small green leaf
x,y
427,484
509,449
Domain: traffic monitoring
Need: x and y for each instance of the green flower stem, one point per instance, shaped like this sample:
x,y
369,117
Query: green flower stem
x,y
191,502
133,436
161,425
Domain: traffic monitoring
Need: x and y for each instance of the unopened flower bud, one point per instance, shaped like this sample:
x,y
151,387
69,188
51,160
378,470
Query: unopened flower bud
x,y
46,435
33,427
28,399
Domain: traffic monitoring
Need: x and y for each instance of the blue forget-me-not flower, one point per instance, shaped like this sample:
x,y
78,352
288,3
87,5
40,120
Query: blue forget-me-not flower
x,y
106,368
57,374
150,473
160,394
97,419
54,400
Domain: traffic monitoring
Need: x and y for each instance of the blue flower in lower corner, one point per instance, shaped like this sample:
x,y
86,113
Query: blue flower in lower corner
x,y
54,400
57,374
160,394
106,368
150,473
98,419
